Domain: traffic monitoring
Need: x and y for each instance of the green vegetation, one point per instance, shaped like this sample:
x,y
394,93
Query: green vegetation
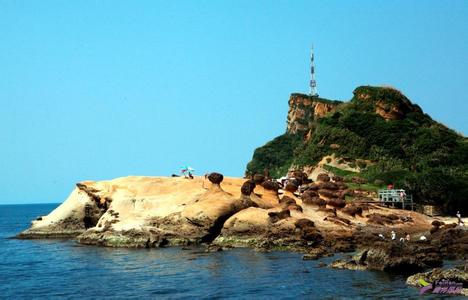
x,y
414,152
275,156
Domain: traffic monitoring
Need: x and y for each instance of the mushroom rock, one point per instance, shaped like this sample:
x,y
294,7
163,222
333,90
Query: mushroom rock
x,y
276,216
270,185
327,194
246,190
269,196
309,194
352,211
248,187
314,201
337,179
291,187
286,200
329,186
323,177
215,178
336,203
258,179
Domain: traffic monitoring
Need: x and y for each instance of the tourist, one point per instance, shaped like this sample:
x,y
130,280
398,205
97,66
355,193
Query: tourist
x,y
381,236
422,238
460,221
408,237
393,235
390,187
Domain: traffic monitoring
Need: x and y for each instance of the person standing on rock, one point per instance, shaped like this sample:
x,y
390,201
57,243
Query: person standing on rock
x,y
460,221
393,235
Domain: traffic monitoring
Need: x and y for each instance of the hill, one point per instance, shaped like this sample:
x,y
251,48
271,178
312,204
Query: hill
x,y
379,136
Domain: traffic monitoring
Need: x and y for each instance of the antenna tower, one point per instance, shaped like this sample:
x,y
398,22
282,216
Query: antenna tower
x,y
313,83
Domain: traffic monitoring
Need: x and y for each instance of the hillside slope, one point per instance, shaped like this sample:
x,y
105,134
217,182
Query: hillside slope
x,y
380,135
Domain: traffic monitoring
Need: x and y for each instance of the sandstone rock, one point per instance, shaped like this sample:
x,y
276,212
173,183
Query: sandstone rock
x,y
323,177
329,186
437,223
457,275
270,185
248,187
291,187
327,194
337,179
352,211
286,200
259,179
216,178
276,216
395,256
337,203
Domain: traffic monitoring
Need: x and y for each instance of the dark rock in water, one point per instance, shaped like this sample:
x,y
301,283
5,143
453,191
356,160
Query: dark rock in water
x,y
452,242
270,185
350,265
321,265
323,177
276,216
457,275
248,187
216,178
394,256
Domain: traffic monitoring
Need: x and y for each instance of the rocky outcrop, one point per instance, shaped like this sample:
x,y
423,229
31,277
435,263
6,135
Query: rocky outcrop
x,y
388,102
439,276
80,211
304,110
393,256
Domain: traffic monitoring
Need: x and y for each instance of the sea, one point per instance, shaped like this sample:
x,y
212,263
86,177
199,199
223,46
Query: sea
x,y
45,269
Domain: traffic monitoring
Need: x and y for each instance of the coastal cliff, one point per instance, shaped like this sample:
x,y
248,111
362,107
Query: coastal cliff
x,y
378,137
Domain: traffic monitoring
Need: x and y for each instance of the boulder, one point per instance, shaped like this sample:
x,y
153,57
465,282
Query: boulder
x,y
323,177
337,203
395,256
216,178
352,211
291,187
314,201
276,216
258,179
270,185
248,187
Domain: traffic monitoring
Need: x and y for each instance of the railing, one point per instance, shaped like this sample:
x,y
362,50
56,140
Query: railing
x,y
396,196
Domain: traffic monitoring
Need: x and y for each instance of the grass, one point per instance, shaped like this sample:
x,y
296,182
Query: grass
x,y
366,187
340,172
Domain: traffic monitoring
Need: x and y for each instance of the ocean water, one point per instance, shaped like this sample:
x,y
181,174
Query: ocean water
x,y
65,269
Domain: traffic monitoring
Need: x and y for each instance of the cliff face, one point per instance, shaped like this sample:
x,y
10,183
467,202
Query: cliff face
x,y
388,103
304,110
381,135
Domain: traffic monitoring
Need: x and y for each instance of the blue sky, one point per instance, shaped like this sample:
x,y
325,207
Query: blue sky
x,y
93,90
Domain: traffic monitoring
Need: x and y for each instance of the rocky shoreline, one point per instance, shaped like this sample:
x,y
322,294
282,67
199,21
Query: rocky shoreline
x,y
222,213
